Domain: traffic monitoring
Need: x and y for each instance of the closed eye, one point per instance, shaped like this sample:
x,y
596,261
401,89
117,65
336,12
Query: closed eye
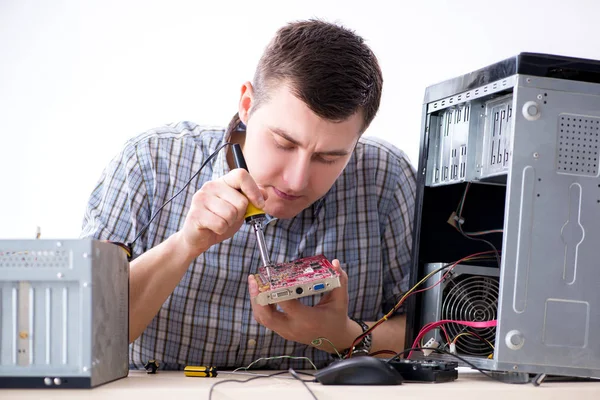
x,y
282,147
323,160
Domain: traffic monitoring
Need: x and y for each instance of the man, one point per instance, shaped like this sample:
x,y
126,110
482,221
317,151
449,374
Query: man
x,y
326,190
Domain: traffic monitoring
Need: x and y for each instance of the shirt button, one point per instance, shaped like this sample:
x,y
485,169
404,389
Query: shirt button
x,y
251,343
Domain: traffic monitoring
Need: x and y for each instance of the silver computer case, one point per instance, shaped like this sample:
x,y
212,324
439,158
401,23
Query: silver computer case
x,y
528,140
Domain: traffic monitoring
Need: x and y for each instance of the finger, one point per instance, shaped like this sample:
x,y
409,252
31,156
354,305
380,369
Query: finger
x,y
225,210
293,308
240,179
265,315
206,219
340,293
222,191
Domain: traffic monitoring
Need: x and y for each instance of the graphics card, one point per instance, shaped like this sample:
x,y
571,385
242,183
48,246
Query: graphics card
x,y
295,279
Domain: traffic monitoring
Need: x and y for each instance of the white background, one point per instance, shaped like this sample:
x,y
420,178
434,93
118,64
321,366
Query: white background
x,y
78,78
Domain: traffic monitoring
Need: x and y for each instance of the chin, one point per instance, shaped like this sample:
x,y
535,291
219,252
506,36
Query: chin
x,y
281,212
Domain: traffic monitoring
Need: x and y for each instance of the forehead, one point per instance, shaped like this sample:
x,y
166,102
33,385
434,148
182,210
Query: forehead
x,y
283,110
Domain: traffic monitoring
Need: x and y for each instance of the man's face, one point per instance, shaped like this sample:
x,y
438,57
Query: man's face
x,y
292,153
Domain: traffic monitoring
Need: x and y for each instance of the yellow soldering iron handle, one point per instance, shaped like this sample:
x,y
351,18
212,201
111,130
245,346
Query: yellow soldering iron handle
x,y
251,211
240,162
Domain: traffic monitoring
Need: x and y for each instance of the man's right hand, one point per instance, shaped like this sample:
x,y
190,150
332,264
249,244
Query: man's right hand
x,y
218,209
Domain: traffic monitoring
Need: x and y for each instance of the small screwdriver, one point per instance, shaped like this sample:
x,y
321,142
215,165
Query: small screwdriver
x,y
254,215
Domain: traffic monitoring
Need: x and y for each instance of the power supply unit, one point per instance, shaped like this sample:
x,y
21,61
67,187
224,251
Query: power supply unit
x,y
64,313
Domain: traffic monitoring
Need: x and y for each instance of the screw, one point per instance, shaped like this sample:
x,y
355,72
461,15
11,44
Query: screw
x,y
515,367
536,155
528,80
539,96
60,275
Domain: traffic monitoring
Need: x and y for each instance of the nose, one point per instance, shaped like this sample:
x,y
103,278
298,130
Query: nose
x,y
296,174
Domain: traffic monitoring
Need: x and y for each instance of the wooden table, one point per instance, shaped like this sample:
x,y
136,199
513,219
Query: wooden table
x,y
173,385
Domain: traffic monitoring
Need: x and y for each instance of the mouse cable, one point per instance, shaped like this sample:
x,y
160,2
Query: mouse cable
x,y
129,246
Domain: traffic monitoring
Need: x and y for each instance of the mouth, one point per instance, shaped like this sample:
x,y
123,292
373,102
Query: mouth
x,y
284,195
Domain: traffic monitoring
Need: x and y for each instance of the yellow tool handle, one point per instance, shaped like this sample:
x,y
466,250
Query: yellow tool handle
x,y
200,371
252,211
240,162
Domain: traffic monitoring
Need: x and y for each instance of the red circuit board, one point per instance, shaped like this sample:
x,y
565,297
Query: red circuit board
x,y
290,274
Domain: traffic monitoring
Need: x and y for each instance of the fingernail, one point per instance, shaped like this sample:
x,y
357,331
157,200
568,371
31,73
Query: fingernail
x,y
252,287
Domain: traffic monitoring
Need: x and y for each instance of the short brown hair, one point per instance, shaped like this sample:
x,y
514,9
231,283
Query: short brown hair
x,y
328,67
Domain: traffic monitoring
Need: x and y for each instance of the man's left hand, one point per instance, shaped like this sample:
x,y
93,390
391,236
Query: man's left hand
x,y
303,324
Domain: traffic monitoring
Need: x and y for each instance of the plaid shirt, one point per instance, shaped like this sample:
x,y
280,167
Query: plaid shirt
x,y
365,221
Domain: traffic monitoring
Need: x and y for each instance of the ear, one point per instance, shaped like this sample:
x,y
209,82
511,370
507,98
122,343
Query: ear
x,y
246,101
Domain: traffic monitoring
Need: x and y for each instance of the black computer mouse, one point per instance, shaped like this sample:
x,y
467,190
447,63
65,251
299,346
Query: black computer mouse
x,y
360,370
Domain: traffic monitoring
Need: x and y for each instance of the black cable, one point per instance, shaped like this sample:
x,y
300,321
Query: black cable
x,y
460,220
213,155
294,374
459,226
470,364
307,374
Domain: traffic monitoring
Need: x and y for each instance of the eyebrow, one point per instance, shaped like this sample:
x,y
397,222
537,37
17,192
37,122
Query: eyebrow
x,y
280,132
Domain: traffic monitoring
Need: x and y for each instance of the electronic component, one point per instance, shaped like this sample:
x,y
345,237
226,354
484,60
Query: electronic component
x,y
200,371
426,370
431,344
151,366
295,279
64,313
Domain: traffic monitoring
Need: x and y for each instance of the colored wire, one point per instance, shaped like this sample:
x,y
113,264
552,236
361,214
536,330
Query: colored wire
x,y
443,329
460,220
459,208
379,352
450,266
471,334
459,227
472,324
125,248
275,358
212,387
319,341
484,232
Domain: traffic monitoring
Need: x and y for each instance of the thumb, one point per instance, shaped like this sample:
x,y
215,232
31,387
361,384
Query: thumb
x,y
340,293
263,191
